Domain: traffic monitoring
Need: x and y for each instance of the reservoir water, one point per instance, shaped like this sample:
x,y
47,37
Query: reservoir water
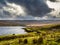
x,y
5,30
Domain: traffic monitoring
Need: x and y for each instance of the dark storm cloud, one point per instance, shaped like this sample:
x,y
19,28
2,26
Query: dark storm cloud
x,y
33,7
53,0
3,2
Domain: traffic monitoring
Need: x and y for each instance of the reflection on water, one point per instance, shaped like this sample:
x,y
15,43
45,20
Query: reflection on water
x,y
11,30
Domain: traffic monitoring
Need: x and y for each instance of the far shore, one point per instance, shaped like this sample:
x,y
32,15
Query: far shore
x,y
27,23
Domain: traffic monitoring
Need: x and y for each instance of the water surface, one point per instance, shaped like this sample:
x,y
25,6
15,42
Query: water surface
x,y
5,30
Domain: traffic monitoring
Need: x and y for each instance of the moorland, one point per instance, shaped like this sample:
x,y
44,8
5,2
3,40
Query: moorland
x,y
36,35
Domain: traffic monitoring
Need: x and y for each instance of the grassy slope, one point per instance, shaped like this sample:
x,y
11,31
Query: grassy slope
x,y
45,35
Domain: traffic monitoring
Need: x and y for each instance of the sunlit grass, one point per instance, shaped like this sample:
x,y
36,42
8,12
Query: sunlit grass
x,y
46,35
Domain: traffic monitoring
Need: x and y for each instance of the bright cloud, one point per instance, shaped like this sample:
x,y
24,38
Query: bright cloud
x,y
55,6
14,9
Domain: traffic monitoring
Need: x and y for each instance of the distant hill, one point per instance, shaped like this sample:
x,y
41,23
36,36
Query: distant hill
x,y
26,22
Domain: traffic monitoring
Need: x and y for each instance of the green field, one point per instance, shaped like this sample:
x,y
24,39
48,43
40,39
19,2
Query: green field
x,y
37,35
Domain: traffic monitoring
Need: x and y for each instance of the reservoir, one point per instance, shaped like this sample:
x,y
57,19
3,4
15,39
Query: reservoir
x,y
5,30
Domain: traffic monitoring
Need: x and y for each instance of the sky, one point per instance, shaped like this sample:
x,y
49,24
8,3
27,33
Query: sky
x,y
29,10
